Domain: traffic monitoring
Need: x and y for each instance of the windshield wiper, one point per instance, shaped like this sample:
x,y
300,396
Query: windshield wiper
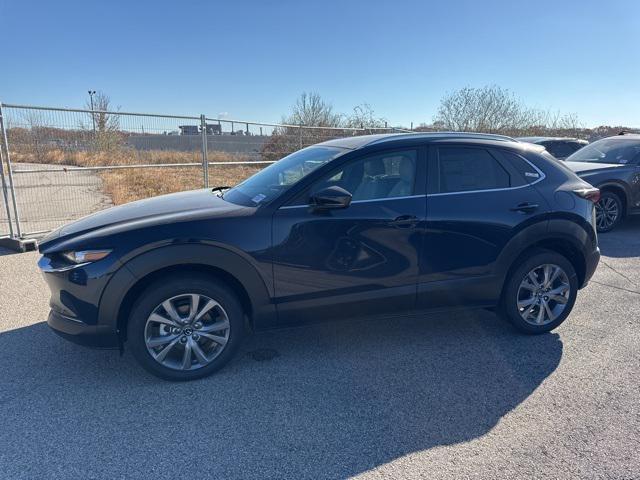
x,y
220,189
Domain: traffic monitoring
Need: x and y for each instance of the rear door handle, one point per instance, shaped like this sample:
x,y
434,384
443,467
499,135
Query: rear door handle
x,y
525,207
404,221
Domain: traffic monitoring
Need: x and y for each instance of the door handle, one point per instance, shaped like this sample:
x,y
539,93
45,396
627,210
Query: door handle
x,y
525,207
404,221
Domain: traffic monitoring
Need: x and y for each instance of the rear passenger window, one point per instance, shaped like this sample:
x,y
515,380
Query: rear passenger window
x,y
524,168
467,169
560,149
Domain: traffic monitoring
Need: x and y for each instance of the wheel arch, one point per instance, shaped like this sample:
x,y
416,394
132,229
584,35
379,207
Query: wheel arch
x,y
562,236
620,190
563,246
141,271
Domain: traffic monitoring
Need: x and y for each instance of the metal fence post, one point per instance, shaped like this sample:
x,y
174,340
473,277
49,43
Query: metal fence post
x,y
205,160
5,144
300,134
4,190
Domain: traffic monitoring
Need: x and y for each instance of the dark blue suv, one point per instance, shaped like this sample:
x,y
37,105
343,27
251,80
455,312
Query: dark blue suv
x,y
357,226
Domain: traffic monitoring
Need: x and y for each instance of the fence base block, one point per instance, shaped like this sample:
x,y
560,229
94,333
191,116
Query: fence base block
x,y
19,244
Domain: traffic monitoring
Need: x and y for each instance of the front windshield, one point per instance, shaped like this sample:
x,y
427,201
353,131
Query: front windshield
x,y
608,150
272,181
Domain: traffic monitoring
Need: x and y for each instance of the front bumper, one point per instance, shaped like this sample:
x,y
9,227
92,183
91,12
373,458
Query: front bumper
x,y
76,331
75,300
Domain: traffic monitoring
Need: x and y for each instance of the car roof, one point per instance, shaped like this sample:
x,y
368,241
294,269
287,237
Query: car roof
x,y
357,142
622,138
545,139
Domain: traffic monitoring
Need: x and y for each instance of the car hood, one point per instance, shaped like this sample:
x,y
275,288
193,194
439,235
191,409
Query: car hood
x,y
581,167
152,211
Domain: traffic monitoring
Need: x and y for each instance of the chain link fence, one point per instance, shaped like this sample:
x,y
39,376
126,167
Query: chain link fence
x,y
61,164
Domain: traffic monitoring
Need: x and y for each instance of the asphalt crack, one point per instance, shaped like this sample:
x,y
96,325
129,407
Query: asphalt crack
x,y
619,273
616,287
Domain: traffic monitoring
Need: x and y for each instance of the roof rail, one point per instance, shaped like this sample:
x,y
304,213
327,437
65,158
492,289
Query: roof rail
x,y
482,136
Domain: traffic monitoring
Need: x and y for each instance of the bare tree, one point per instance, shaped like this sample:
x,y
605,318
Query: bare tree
x,y
493,109
363,116
309,110
106,125
36,137
312,111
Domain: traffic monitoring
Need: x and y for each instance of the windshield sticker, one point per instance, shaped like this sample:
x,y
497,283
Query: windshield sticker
x,y
623,160
258,198
531,174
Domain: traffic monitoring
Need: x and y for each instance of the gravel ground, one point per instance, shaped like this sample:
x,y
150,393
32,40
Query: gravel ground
x,y
456,395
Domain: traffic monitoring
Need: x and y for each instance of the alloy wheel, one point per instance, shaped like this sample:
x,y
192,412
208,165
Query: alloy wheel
x,y
543,294
186,332
607,213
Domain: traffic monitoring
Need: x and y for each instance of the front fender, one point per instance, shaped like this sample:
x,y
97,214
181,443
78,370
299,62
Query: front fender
x,y
148,262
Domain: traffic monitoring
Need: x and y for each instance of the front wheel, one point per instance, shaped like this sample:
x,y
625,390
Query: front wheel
x,y
539,295
186,327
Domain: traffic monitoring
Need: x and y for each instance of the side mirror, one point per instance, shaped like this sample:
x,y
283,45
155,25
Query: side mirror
x,y
330,198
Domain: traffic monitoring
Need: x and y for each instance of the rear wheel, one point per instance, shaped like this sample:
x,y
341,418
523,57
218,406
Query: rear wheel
x,y
186,327
539,295
608,211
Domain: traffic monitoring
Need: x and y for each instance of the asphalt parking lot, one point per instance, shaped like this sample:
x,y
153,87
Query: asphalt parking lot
x,y
457,395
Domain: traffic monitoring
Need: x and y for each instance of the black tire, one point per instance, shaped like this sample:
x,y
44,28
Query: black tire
x,y
509,301
167,288
608,200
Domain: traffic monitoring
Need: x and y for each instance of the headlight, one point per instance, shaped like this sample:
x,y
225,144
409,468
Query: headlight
x,y
86,256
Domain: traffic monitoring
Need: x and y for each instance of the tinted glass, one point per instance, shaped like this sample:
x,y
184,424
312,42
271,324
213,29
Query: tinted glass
x,y
465,169
524,168
561,149
616,150
388,175
272,181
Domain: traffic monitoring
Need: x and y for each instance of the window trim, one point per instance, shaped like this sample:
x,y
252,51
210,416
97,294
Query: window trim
x,y
541,174
389,199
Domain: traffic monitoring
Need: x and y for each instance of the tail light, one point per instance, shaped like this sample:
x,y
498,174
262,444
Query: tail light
x,y
588,193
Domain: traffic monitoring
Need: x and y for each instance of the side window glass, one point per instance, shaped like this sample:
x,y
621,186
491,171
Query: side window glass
x,y
575,147
467,169
562,149
524,168
550,147
385,175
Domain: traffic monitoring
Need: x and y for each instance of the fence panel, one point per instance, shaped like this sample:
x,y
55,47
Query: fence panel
x,y
5,228
6,194
68,163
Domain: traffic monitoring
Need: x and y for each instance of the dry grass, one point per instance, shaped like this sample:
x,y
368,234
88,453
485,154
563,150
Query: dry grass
x,y
126,185
119,157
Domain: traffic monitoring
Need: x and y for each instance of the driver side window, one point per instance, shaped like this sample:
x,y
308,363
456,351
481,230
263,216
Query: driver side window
x,y
380,176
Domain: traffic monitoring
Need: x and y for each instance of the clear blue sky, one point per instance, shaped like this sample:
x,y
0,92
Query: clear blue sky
x,y
251,59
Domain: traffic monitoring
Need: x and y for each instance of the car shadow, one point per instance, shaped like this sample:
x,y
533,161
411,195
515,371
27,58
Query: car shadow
x,y
624,241
329,401
5,251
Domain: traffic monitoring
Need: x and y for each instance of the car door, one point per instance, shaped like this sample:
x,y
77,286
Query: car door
x,y
358,260
477,201
634,182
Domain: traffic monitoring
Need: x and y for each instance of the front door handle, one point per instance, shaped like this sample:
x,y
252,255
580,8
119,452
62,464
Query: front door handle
x,y
404,221
525,207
